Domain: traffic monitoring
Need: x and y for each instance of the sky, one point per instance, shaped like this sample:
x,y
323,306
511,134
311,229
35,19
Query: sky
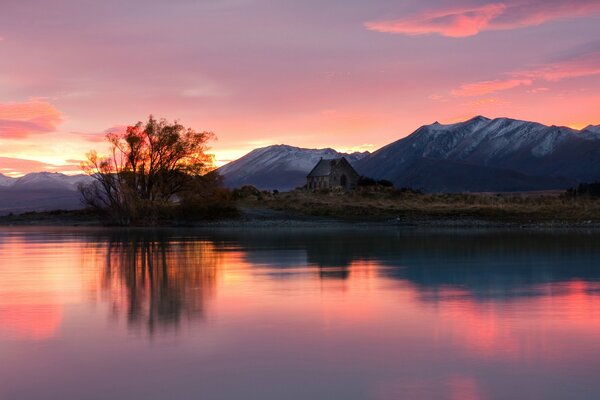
x,y
353,75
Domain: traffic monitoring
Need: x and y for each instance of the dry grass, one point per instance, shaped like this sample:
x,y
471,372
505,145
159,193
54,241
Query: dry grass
x,y
518,208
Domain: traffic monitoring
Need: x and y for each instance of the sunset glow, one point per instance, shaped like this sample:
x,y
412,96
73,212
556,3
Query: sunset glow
x,y
350,75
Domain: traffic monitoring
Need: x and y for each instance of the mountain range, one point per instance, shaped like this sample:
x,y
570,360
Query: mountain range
x,y
278,167
40,191
477,155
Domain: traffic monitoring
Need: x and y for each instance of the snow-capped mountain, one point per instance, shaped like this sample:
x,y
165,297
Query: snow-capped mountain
x,y
480,154
594,129
52,180
40,191
6,180
279,167
543,157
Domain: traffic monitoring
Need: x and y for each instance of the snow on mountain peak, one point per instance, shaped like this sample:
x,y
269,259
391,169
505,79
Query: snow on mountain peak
x,y
593,129
488,137
278,166
6,181
50,180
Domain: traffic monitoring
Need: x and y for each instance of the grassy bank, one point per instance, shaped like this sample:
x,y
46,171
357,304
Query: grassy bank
x,y
370,206
384,205
56,217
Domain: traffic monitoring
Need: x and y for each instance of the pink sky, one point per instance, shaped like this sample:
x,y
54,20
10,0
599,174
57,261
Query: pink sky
x,y
346,74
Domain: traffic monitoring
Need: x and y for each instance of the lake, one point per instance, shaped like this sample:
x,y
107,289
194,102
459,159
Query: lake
x,y
299,314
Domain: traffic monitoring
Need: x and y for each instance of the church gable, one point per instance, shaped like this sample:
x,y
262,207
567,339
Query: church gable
x,y
333,173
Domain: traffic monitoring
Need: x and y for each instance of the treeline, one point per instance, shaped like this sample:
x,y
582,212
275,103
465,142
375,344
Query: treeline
x,y
591,189
365,181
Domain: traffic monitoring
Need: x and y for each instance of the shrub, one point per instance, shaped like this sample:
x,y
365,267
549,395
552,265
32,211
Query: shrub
x,y
246,191
591,189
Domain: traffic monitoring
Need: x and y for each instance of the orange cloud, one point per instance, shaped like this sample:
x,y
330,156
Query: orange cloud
x,y
587,65
488,87
451,23
18,120
470,21
17,166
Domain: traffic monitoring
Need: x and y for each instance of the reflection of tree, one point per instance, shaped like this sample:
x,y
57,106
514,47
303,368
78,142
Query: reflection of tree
x,y
159,283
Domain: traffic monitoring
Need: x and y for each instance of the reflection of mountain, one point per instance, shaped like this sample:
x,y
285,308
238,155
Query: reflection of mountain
x,y
158,283
485,264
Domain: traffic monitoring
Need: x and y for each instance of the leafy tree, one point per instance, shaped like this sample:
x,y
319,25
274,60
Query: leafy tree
x,y
149,169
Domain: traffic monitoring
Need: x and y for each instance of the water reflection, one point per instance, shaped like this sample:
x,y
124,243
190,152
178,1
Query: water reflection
x,y
351,314
154,282
163,278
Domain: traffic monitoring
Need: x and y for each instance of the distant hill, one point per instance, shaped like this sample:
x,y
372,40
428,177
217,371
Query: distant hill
x,y
51,180
40,191
278,167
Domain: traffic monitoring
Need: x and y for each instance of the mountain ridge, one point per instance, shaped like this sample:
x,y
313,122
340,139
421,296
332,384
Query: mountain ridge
x,y
476,155
529,148
519,155
280,167
40,191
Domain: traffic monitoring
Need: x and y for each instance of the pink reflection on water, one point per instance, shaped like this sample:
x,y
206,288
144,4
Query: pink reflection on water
x,y
30,321
523,328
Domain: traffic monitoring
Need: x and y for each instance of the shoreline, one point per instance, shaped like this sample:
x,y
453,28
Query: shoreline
x,y
261,218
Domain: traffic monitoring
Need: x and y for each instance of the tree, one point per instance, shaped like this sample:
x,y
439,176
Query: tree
x,y
149,169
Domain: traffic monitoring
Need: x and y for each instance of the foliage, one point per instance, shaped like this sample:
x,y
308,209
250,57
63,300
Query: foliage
x,y
403,191
585,189
365,181
247,191
152,168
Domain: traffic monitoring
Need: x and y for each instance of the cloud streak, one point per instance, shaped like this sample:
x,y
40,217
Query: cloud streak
x,y
18,120
18,166
587,65
471,20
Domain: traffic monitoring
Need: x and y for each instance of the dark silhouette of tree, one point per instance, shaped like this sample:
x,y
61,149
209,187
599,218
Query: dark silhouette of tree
x,y
151,167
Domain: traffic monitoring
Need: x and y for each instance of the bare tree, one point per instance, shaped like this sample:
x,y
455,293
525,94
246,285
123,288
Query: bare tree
x,y
149,167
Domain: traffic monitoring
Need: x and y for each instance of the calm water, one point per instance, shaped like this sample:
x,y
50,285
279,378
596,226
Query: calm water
x,y
275,314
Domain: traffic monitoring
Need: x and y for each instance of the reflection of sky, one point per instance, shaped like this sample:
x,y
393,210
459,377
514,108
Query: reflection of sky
x,y
378,331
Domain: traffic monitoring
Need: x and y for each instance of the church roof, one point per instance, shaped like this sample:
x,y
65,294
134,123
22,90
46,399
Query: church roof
x,y
323,167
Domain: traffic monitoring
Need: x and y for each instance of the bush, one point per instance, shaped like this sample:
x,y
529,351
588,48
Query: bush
x,y
217,204
591,189
246,191
366,181
404,191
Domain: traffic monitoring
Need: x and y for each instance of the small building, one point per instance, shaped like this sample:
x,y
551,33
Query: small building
x,y
332,173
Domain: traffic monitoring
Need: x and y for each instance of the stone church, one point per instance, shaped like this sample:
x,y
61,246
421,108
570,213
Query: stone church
x,y
333,173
